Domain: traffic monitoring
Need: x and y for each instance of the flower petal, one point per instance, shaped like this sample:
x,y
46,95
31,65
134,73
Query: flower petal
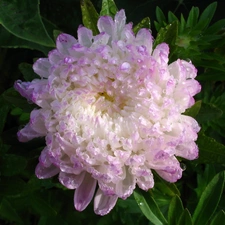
x,y
64,42
42,67
103,204
46,172
85,192
71,181
106,25
85,36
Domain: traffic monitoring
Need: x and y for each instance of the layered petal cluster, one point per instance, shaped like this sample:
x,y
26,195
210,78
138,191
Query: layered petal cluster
x,y
110,108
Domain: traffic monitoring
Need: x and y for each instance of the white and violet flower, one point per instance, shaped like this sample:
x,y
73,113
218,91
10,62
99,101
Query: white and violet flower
x,y
110,108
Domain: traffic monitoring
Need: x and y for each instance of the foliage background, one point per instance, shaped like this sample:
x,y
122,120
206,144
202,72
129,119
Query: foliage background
x,y
25,200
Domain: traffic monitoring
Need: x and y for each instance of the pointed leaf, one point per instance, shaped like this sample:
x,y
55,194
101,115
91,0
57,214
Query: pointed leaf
x,y
12,97
171,17
89,16
149,207
8,40
212,76
194,110
145,23
217,26
175,210
208,14
41,206
209,200
22,18
185,218
182,24
12,164
8,212
168,35
165,187
210,151
192,17
108,8
27,70
208,112
219,218
160,16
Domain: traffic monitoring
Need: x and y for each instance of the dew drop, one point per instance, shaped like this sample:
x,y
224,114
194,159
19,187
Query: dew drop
x,y
189,60
140,203
183,166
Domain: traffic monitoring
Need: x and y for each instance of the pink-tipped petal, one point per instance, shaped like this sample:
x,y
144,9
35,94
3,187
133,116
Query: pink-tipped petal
x,y
161,53
42,67
145,38
85,36
120,20
170,174
103,204
28,133
43,172
64,42
106,24
85,192
125,187
71,181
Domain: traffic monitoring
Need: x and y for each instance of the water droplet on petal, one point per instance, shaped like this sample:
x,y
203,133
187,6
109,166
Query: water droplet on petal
x,y
183,166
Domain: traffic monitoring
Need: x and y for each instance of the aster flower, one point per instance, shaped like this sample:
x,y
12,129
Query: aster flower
x,y
110,108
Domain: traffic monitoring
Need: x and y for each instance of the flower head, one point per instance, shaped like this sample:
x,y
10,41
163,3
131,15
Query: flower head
x,y
111,109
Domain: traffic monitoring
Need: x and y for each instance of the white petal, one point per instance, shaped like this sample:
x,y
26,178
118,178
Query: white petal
x,y
64,42
103,204
84,193
71,181
42,67
46,172
85,36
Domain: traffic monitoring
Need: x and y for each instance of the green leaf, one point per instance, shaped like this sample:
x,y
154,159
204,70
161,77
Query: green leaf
x,y
12,164
8,40
8,212
194,110
203,178
108,8
182,26
208,112
160,16
165,187
145,23
168,35
16,111
149,207
210,151
172,17
185,218
209,200
193,17
22,19
212,76
175,210
41,206
89,16
56,33
217,26
15,99
208,13
28,73
219,218
49,220
12,186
